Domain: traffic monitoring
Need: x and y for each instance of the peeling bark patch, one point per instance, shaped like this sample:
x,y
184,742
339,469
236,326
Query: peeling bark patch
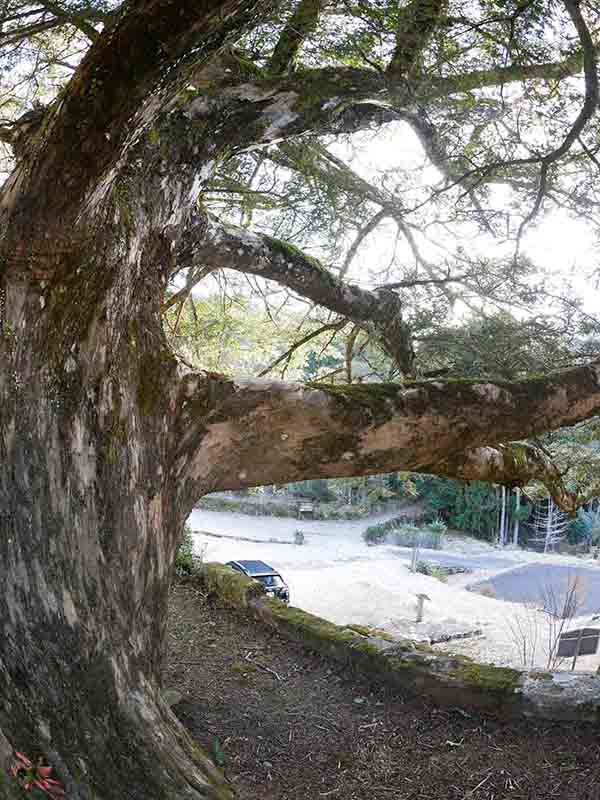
x,y
69,608
279,115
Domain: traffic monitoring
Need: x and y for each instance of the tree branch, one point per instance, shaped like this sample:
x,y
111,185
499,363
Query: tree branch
x,y
409,283
20,34
260,110
515,464
499,76
106,103
301,24
77,20
328,167
362,234
226,246
416,23
350,342
588,109
193,278
332,326
260,432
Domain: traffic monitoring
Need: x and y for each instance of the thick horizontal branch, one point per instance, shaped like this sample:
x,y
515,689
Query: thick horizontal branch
x,y
516,464
261,109
498,76
227,246
232,434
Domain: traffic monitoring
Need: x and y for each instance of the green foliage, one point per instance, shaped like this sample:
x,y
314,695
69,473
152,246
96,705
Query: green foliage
x,y
184,556
404,534
315,362
432,570
225,332
316,489
375,534
438,526
412,536
579,530
476,510
471,507
497,347
585,528
522,513
439,495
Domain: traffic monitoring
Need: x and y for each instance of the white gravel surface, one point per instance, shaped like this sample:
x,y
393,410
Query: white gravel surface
x,y
337,576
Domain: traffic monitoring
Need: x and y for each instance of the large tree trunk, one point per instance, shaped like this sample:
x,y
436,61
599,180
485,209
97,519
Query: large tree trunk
x,y
89,526
104,447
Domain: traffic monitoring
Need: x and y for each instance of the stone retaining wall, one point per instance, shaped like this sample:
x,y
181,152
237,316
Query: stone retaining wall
x,y
404,665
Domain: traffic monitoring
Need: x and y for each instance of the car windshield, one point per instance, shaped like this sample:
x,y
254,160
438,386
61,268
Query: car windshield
x,y
272,581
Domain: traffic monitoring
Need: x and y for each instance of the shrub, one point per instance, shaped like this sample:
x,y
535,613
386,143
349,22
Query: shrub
x,y
411,536
374,534
432,570
404,534
437,526
184,557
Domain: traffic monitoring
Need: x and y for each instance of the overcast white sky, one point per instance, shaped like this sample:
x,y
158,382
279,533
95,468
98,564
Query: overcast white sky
x,y
559,244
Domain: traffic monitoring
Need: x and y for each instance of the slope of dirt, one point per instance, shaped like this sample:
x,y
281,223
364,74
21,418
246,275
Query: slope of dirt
x,y
291,726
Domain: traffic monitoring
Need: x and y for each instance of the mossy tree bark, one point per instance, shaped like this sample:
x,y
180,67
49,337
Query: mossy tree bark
x,y
105,445
240,433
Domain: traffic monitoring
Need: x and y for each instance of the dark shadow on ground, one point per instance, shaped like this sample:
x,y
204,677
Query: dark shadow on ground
x,y
313,730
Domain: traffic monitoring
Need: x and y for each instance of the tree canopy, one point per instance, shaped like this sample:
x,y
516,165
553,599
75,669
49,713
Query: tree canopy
x,y
366,176
376,172
386,161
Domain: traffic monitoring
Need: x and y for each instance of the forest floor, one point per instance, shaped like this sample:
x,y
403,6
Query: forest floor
x,y
293,726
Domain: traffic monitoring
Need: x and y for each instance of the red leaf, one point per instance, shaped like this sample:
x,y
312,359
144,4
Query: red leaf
x,y
44,772
23,759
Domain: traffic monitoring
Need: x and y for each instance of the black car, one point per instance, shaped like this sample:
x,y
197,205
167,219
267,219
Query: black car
x,y
270,578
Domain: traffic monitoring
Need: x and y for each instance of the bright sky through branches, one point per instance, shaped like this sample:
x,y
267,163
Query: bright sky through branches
x,y
564,248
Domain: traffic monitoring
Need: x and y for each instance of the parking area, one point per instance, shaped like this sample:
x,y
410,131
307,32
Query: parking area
x,y
531,583
334,574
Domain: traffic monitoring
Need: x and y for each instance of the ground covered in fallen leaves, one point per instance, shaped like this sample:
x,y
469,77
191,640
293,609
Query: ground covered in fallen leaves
x,y
288,725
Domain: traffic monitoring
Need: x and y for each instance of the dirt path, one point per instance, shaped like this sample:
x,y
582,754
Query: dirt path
x,y
313,731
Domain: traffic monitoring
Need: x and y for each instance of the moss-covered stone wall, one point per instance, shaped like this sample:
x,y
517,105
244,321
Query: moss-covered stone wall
x,y
231,587
417,668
